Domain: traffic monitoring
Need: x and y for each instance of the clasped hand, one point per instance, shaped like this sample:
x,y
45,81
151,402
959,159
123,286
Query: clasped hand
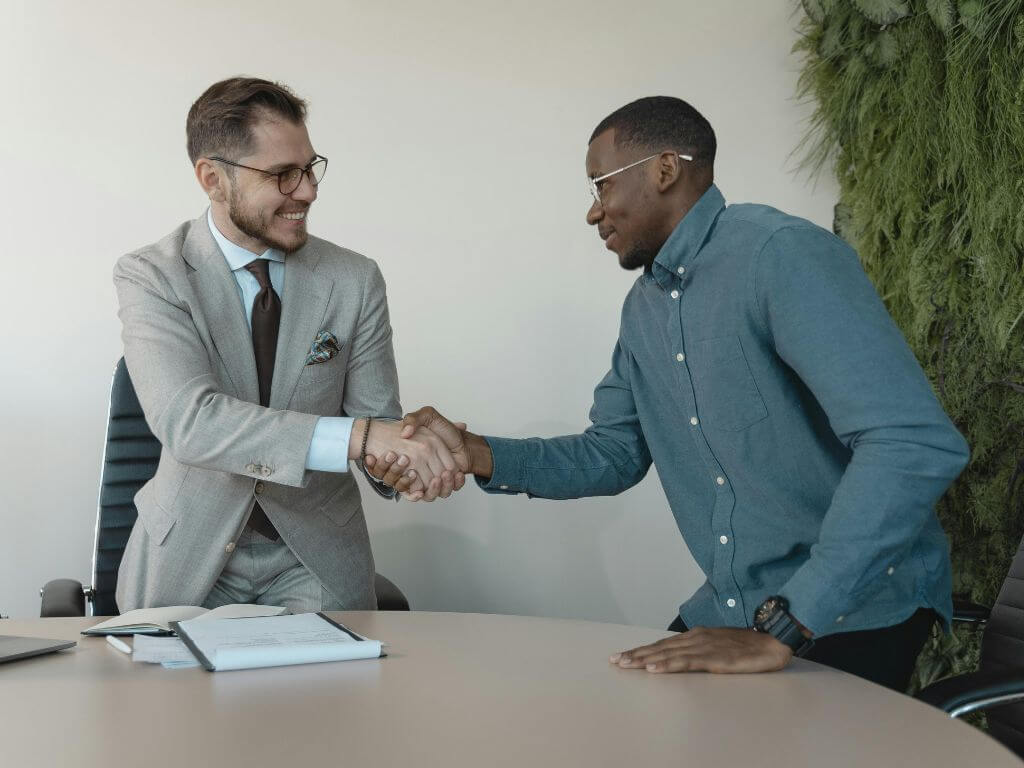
x,y
423,456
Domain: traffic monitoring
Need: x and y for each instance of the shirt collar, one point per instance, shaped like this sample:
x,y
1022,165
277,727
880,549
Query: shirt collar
x,y
686,240
235,255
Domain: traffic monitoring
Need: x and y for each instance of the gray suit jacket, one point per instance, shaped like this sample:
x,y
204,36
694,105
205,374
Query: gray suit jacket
x,y
189,352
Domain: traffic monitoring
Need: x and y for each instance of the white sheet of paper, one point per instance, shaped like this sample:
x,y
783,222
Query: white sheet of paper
x,y
169,651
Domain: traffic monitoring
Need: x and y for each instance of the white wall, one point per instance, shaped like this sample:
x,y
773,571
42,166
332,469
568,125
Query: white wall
x,y
456,133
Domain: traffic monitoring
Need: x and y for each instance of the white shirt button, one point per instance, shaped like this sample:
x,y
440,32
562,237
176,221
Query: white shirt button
x,y
891,570
503,487
230,547
693,420
681,270
731,603
674,294
720,480
724,539
250,467
265,471
839,619
680,356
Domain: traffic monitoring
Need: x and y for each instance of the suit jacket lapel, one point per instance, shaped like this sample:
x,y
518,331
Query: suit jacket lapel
x,y
303,307
217,292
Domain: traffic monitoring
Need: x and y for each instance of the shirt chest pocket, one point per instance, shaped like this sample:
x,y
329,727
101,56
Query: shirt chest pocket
x,y
727,396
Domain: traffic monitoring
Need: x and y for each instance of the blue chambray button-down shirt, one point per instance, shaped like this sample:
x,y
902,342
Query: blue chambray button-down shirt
x,y
799,443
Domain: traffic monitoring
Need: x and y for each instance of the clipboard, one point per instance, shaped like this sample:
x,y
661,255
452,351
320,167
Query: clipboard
x,y
272,641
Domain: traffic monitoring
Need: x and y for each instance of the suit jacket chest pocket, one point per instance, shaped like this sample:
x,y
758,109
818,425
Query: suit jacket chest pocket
x,y
727,396
327,372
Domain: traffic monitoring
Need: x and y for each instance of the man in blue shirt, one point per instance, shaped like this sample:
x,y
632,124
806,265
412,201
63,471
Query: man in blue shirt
x,y
798,441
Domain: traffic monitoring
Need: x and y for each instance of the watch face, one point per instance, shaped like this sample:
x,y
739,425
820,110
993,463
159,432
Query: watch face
x,y
766,609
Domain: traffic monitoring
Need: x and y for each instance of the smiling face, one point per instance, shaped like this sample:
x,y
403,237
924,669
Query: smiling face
x,y
252,212
630,217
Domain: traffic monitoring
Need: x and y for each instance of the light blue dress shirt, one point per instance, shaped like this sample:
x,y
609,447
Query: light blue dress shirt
x,y
800,445
328,451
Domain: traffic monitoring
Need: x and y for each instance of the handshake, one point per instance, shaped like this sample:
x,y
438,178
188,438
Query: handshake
x,y
425,455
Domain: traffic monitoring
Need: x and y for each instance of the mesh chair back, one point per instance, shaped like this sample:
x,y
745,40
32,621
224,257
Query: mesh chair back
x,y
1002,648
130,458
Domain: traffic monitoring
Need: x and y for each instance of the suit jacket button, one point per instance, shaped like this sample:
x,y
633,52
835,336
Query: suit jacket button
x,y
230,547
258,489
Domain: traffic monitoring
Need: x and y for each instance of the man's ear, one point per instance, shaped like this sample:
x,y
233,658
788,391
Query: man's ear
x,y
212,179
670,170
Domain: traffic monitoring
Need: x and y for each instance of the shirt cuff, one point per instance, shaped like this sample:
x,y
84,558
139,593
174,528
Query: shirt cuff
x,y
328,450
815,601
507,473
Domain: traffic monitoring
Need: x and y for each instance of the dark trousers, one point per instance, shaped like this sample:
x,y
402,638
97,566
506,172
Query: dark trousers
x,y
885,656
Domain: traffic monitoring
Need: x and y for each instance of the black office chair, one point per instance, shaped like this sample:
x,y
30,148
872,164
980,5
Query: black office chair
x,y
129,461
998,685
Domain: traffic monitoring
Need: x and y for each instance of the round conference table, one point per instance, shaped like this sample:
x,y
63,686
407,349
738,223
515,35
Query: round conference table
x,y
459,690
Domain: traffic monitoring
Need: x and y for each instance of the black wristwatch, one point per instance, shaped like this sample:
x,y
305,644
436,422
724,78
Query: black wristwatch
x,y
773,618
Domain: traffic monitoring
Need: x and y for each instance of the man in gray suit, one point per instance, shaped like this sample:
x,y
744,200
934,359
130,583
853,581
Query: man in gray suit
x,y
260,356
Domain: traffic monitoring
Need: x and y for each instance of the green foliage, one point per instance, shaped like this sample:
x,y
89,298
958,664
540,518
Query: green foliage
x,y
919,110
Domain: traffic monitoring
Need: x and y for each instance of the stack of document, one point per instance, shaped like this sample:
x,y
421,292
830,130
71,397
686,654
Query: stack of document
x,y
223,644
169,652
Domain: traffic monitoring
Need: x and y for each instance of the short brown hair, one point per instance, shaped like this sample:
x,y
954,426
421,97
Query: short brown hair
x,y
221,120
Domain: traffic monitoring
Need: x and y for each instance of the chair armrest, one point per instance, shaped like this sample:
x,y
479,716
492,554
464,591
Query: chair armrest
x,y
62,597
389,597
970,613
961,694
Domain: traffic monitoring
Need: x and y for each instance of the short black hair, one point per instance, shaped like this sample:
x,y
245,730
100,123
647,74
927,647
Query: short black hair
x,y
662,122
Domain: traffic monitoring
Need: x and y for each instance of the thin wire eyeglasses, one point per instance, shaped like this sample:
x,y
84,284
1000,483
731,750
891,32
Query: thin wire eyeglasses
x,y
593,182
288,180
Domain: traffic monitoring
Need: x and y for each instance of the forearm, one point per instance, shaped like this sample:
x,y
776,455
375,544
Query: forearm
x,y
203,427
480,456
880,510
355,444
567,467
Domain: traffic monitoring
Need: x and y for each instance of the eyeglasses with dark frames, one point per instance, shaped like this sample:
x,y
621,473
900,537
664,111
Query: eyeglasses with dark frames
x,y
289,179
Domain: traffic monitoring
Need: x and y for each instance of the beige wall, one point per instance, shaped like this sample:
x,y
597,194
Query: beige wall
x,y
456,133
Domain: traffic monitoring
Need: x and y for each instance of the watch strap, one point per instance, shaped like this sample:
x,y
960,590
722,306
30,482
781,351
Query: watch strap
x,y
787,632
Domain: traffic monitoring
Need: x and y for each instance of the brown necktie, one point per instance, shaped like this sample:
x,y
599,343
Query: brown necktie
x,y
266,319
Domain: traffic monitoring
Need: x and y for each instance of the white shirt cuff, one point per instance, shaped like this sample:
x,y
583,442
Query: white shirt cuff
x,y
328,450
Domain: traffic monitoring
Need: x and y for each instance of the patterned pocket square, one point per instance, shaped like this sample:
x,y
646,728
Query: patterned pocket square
x,y
324,347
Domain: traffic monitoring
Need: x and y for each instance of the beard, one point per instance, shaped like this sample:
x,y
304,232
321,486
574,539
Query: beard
x,y
640,256
253,224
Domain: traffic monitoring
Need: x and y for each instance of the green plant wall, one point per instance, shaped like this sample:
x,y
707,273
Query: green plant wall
x,y
919,111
